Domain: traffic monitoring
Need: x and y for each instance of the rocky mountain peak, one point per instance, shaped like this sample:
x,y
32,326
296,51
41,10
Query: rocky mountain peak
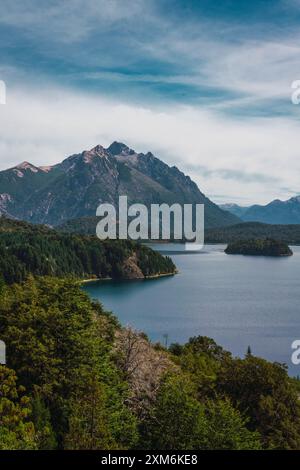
x,y
46,168
97,151
27,166
295,199
118,148
76,186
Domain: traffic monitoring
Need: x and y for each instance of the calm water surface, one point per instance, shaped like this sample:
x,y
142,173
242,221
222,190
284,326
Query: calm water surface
x,y
236,300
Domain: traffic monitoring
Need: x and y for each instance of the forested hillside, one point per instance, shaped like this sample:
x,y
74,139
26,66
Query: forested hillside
x,y
75,379
27,249
287,233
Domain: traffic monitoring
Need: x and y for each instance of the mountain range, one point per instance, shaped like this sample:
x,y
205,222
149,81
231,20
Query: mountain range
x,y
75,187
276,212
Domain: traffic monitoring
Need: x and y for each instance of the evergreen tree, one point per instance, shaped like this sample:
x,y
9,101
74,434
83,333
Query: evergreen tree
x,y
16,431
264,393
41,418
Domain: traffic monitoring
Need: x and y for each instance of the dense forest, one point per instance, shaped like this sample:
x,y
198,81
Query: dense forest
x,y
259,247
244,231
248,230
27,249
75,379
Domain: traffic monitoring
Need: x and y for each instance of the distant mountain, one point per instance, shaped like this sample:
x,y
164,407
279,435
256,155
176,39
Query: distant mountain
x,y
239,211
276,212
74,188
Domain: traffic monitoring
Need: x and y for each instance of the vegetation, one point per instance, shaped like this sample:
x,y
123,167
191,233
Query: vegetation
x,y
58,343
27,249
16,431
267,247
80,225
76,380
289,234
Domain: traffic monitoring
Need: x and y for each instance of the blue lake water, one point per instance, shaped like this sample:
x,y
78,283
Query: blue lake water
x,y
236,300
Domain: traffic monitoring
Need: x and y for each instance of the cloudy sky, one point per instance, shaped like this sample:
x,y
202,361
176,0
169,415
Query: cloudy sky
x,y
204,85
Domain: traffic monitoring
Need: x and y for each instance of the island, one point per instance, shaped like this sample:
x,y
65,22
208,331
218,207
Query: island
x,y
259,247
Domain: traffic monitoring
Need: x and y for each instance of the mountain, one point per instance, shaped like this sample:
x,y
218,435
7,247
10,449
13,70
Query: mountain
x,y
239,211
276,212
74,188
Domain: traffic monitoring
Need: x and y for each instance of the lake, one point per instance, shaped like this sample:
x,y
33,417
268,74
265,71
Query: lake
x,y
236,300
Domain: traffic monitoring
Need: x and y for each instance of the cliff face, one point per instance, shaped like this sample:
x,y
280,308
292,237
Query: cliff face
x,y
130,268
75,187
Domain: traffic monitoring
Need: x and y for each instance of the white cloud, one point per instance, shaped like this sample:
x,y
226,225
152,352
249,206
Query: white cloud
x,y
113,34
255,70
223,155
246,159
67,21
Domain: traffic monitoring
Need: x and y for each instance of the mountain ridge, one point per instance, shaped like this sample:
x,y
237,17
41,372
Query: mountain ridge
x,y
275,212
75,187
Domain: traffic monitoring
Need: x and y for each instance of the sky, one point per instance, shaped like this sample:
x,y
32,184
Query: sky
x,y
204,85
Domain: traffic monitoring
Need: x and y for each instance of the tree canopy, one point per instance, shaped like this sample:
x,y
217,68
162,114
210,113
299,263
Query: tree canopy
x,y
75,379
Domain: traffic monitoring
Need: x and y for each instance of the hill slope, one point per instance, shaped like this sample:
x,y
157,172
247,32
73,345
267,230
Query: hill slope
x,y
29,249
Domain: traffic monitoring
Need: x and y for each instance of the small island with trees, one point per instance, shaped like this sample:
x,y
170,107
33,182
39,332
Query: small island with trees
x,y
259,247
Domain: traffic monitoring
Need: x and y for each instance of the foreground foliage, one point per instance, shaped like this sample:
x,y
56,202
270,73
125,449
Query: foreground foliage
x,y
16,432
92,385
58,342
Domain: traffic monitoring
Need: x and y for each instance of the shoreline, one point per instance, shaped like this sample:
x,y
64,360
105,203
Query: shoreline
x,y
153,276
157,276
